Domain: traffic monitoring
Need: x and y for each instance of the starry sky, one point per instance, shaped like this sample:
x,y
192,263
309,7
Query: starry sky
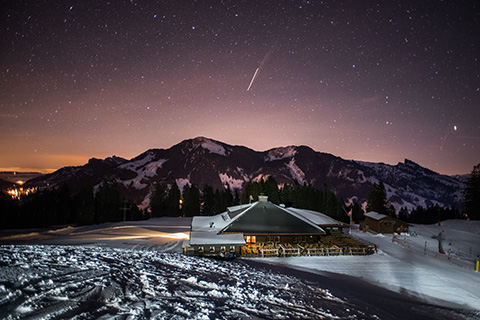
x,y
376,81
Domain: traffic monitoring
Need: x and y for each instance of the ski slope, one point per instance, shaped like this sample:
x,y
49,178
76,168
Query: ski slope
x,y
135,270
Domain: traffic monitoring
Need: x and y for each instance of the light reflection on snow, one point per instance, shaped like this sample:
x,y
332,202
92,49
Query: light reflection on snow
x,y
93,282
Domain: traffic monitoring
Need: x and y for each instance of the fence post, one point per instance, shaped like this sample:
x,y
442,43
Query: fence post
x,y
425,249
477,264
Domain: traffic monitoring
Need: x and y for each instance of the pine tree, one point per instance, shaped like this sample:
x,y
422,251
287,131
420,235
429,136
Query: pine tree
x,y
236,197
227,196
108,203
271,190
357,212
158,200
377,200
172,202
208,201
84,206
252,189
472,194
191,200
403,214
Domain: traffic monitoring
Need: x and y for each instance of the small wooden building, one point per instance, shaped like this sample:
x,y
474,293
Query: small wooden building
x,y
380,223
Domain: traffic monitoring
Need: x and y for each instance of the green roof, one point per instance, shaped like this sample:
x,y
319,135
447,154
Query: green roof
x,y
267,218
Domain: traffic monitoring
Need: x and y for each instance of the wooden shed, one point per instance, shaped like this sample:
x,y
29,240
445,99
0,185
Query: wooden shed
x,y
380,223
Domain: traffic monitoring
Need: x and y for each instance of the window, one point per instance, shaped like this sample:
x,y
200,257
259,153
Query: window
x,y
200,249
212,249
232,248
250,239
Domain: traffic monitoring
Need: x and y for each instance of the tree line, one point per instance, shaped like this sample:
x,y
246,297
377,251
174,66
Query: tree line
x,y
377,201
107,204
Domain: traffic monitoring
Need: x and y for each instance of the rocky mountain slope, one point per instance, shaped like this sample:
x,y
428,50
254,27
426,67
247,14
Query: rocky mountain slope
x,y
205,161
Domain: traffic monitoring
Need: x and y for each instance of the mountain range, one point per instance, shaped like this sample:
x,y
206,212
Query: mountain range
x,y
205,161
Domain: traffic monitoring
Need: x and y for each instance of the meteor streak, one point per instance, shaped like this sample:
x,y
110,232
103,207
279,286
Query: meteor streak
x,y
264,60
253,78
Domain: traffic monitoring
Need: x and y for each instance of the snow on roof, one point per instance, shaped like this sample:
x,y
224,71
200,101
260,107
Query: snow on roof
x,y
316,217
266,217
210,223
375,215
211,238
217,222
240,206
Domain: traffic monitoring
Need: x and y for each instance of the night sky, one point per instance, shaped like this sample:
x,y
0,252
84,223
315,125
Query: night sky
x,y
376,81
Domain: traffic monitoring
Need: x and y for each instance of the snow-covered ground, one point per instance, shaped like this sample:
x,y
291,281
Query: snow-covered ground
x,y
134,270
403,265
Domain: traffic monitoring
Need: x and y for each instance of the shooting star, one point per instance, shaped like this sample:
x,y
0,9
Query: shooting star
x,y
265,59
253,78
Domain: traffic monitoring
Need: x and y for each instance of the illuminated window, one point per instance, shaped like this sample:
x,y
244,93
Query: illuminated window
x,y
250,239
200,249
212,249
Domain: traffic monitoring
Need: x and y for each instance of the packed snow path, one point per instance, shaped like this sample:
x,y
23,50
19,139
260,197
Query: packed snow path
x,y
75,282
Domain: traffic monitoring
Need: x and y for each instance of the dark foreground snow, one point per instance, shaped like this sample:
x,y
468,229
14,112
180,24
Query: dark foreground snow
x,y
78,282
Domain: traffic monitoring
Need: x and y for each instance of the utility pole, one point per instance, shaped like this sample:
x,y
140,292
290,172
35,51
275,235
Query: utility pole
x,y
125,209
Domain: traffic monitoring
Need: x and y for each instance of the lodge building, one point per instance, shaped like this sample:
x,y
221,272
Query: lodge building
x,y
264,229
380,223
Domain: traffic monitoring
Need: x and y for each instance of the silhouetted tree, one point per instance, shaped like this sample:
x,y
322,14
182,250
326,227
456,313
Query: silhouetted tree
x,y
173,201
108,203
10,212
403,214
472,194
158,199
357,212
208,201
271,190
191,200
84,206
377,200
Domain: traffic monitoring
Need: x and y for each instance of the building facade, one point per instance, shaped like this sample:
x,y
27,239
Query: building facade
x,y
264,229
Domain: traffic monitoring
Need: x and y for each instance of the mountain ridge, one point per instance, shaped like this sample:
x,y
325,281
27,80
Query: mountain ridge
x,y
205,161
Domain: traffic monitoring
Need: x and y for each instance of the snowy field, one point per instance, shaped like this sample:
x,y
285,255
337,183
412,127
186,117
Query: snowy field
x,y
134,270
405,266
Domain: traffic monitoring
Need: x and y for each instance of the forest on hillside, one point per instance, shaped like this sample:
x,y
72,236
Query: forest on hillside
x,y
58,206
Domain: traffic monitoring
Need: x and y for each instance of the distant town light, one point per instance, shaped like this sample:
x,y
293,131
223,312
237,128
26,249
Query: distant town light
x,y
16,193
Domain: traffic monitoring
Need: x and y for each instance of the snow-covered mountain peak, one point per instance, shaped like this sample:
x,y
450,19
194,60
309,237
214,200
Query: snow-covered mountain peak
x,y
280,153
139,161
197,160
210,145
